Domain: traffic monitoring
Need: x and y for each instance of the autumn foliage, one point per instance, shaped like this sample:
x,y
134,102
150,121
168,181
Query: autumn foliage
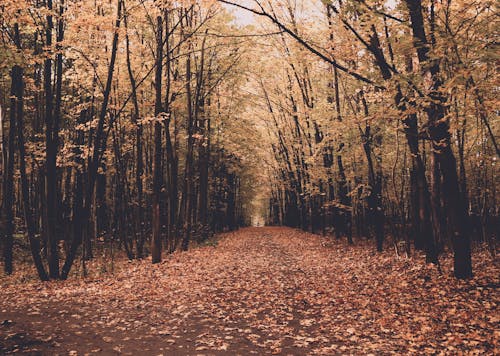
x,y
135,132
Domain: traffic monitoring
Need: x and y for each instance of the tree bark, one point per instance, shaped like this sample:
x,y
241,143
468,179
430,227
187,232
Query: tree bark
x,y
156,241
8,183
439,133
17,79
97,146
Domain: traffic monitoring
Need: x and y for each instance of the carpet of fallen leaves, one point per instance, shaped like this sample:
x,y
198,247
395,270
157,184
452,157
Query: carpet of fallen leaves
x,y
260,291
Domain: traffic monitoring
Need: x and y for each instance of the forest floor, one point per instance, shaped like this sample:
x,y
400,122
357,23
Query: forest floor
x,y
259,291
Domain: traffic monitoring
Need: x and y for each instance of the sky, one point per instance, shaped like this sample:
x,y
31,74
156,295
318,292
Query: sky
x,y
242,17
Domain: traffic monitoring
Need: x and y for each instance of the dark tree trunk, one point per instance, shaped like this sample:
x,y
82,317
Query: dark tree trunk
x,y
204,162
8,182
94,161
156,241
51,206
188,174
17,78
439,133
374,198
139,169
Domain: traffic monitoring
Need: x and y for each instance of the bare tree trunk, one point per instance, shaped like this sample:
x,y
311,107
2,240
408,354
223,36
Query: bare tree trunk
x,y
139,169
204,162
188,174
156,241
439,133
97,147
8,182
17,78
51,156
374,198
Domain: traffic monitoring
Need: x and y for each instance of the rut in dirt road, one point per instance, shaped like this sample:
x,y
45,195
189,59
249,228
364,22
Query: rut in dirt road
x,y
258,291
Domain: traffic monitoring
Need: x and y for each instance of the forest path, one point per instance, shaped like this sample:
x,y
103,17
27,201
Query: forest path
x,y
258,291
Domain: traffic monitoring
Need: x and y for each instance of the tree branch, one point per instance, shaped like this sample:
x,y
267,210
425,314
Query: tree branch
x,y
303,43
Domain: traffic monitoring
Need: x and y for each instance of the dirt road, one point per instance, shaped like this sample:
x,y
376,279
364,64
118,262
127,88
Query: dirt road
x,y
258,291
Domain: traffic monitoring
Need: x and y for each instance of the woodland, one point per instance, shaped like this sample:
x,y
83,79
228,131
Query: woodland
x,y
142,139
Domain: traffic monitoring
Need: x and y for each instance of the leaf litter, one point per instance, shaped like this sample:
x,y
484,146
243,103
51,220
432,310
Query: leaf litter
x,y
288,293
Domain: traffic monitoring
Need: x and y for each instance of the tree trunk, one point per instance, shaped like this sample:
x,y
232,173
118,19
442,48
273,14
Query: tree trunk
x,y
139,169
188,174
17,78
8,182
97,147
156,242
439,133
51,207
